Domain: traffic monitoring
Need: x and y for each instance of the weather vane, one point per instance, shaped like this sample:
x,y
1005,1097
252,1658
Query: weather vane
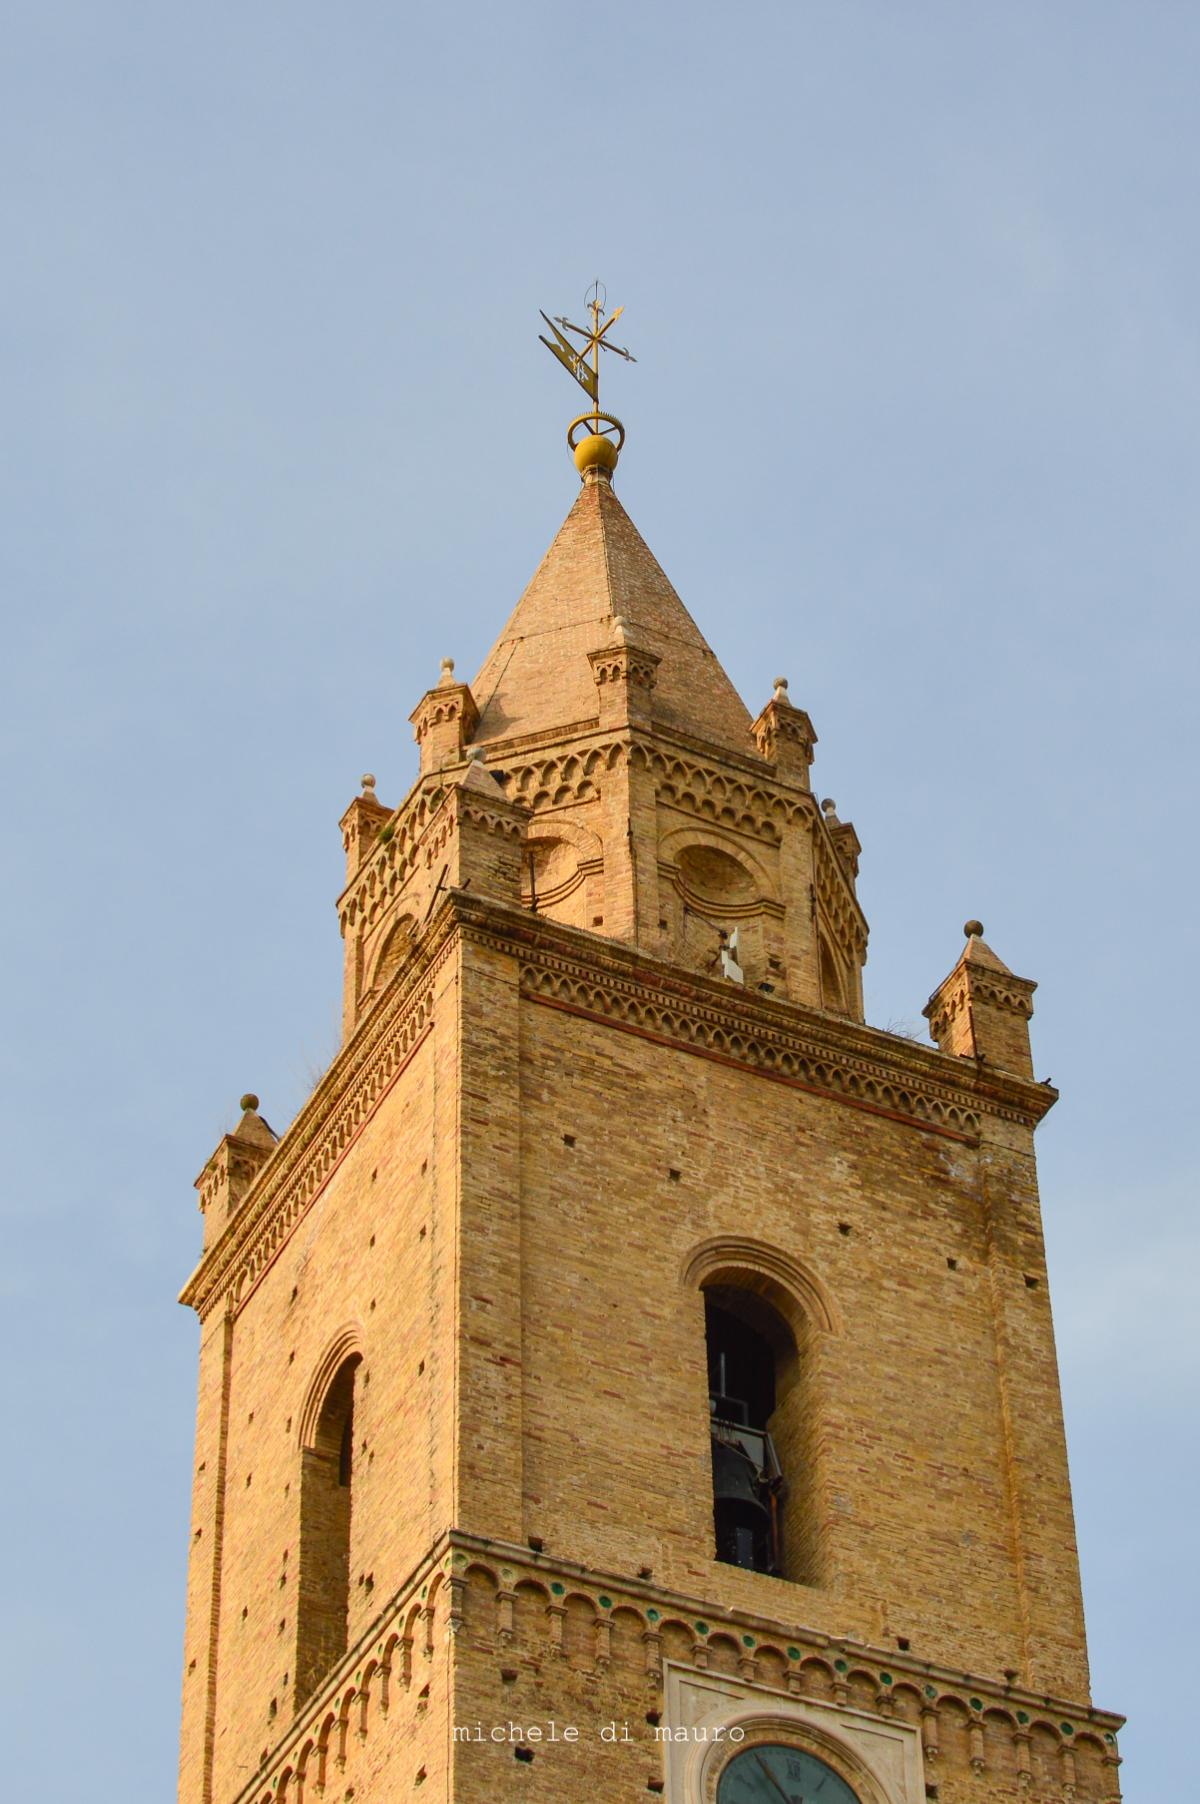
x,y
597,449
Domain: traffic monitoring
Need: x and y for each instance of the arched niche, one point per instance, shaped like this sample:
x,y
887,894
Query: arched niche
x,y
326,1515
562,872
717,892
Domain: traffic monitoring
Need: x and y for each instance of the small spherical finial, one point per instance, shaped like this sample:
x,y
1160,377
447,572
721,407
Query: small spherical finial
x,y
447,670
249,1101
368,781
781,690
595,452
829,808
591,447
973,929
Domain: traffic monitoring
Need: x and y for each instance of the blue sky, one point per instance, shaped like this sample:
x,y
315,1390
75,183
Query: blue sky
x,y
914,423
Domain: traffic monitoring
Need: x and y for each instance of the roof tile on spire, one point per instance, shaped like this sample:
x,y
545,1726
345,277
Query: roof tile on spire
x,y
537,677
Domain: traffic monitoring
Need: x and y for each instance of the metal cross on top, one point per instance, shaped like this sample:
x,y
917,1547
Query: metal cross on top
x,y
583,361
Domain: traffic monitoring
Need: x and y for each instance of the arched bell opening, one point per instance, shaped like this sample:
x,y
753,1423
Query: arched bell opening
x,y
753,1369
326,1495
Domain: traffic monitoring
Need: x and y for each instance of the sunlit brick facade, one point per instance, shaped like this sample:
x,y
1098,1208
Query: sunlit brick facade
x,y
607,1138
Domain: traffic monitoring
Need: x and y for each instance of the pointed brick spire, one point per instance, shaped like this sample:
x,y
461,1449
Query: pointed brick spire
x,y
538,678
982,1010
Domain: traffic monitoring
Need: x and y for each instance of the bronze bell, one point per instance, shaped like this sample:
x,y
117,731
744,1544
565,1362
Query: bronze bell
x,y
734,1478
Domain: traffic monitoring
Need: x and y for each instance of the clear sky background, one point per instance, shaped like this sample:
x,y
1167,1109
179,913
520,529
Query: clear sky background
x,y
914,293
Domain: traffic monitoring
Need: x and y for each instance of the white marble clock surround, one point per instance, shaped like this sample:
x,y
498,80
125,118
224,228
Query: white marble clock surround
x,y
878,1756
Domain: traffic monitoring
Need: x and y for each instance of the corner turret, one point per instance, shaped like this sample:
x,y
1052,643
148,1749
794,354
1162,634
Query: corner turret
x,y
235,1163
981,1010
444,720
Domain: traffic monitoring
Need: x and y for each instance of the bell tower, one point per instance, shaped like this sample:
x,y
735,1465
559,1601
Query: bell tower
x,y
631,1374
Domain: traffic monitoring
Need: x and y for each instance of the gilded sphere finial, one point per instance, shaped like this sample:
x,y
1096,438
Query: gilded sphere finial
x,y
249,1101
973,929
591,445
595,453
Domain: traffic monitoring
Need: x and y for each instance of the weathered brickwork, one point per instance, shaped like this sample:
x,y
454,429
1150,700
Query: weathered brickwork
x,y
604,1056
526,1642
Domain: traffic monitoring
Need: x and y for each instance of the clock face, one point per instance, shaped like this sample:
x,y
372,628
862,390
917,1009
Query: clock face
x,y
778,1775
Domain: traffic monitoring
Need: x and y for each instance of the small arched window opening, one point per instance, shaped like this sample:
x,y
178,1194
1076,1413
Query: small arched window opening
x,y
326,1495
752,1366
833,990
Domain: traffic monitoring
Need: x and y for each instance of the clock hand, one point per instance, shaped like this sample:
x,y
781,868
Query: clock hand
x,y
759,1761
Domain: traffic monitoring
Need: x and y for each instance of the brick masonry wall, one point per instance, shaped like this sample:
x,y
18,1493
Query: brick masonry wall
x,y
544,1132
491,1649
517,1213
371,1263
915,1477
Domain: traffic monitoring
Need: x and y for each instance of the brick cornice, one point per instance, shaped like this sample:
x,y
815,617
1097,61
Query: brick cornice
x,y
428,1611
578,735
862,1066
642,1594
604,980
587,738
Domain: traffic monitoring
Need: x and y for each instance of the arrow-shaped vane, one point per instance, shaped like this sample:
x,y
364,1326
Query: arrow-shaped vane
x,y
571,359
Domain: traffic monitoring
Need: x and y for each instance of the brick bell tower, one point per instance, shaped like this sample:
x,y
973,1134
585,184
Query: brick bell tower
x,y
631,1374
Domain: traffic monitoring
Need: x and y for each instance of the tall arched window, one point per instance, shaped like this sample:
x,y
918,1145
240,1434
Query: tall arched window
x,y
326,1493
752,1364
770,1325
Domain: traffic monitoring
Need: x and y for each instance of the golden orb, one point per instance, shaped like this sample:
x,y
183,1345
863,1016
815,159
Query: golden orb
x,y
595,452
